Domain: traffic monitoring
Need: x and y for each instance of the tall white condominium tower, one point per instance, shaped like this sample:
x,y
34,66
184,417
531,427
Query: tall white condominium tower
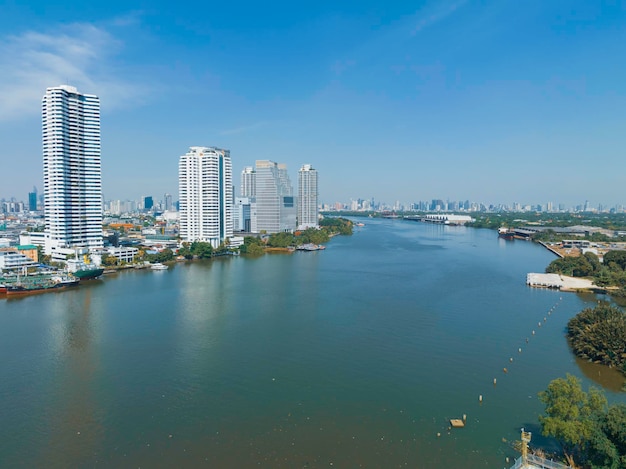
x,y
307,197
71,169
275,205
205,195
248,182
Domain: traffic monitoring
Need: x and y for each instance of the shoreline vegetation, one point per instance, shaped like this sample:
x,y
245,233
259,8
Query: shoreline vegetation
x,y
599,335
591,433
253,246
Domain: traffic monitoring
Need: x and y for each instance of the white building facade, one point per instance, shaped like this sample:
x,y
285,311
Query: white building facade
x,y
205,195
248,182
307,198
72,169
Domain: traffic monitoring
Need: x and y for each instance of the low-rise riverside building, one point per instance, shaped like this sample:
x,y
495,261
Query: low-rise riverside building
x,y
123,253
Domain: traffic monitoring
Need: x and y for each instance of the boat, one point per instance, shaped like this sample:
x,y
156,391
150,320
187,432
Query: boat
x,y
41,285
158,266
88,274
506,233
83,269
310,247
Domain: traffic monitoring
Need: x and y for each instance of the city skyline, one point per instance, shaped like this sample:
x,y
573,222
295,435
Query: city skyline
x,y
447,95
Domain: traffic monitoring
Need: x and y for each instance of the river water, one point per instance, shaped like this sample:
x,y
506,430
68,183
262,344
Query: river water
x,y
356,356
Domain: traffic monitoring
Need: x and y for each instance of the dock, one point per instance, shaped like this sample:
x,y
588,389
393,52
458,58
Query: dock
x,y
457,423
561,282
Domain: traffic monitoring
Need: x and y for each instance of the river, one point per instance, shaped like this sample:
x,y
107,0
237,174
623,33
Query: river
x,y
356,356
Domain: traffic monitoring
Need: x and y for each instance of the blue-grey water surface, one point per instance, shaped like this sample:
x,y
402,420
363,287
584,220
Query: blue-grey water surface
x,y
356,356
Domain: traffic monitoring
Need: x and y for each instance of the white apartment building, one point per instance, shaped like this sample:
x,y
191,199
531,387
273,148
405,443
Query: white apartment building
x,y
248,182
72,169
307,197
205,195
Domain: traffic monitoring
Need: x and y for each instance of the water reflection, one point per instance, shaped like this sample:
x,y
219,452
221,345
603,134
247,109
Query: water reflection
x,y
73,421
610,379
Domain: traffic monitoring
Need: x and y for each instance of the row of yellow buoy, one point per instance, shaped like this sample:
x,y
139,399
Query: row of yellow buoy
x,y
519,350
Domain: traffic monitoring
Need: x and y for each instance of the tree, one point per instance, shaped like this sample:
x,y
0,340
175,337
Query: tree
x,y
599,334
108,260
281,240
571,414
185,251
201,250
608,445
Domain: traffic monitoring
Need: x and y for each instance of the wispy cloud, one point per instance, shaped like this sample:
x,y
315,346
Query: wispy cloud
x,y
426,19
79,54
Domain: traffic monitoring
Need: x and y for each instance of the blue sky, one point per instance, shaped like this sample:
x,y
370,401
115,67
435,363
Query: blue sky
x,y
492,101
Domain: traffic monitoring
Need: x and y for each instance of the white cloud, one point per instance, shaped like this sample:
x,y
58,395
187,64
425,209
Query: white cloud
x,y
80,55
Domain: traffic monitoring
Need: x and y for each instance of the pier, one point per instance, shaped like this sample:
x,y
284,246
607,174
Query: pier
x,y
561,282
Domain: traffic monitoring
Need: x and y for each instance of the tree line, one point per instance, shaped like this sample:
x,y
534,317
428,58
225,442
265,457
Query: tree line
x,y
611,272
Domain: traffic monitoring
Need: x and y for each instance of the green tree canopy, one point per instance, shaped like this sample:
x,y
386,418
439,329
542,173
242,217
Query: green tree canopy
x,y
571,413
599,334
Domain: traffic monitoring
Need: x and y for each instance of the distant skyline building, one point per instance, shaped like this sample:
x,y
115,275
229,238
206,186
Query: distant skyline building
x,y
72,169
307,197
169,204
148,202
32,200
205,195
275,204
248,182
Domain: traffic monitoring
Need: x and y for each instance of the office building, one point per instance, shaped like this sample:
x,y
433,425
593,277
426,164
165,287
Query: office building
x,y
32,200
275,204
205,195
72,170
169,204
244,215
248,182
307,197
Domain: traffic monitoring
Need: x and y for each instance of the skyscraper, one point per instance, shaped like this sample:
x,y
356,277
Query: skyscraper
x,y
72,170
248,182
205,195
148,202
32,200
275,207
307,197
169,205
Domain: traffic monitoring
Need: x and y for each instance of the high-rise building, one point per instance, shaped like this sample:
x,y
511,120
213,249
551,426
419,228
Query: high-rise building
x,y
307,197
275,205
205,195
32,200
248,182
169,205
148,202
72,169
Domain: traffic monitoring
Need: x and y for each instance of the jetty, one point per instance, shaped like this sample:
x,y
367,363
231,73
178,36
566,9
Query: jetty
x,y
561,282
